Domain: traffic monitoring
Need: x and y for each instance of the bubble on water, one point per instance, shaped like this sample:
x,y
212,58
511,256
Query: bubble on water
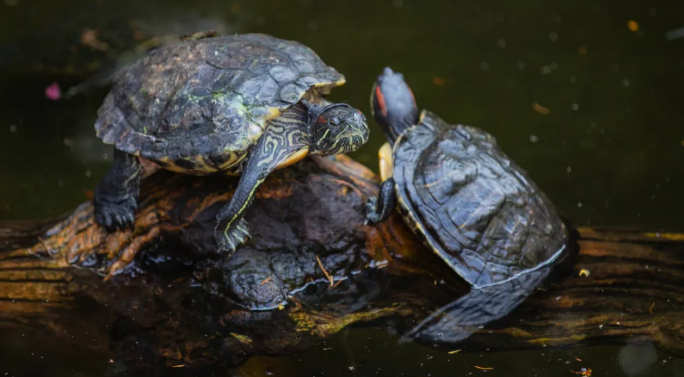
x,y
553,36
398,3
313,26
635,359
484,66
625,83
88,173
575,107
521,65
573,80
534,138
13,128
579,204
501,42
568,169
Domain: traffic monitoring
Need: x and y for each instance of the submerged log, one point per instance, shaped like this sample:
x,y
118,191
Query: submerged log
x,y
159,296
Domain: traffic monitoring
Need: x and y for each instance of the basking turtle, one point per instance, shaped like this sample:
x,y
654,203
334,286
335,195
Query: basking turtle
x,y
240,105
473,206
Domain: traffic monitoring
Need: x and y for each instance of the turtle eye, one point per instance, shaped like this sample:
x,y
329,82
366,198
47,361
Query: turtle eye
x,y
334,121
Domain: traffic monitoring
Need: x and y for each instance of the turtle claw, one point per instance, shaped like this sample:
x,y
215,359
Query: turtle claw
x,y
230,238
115,216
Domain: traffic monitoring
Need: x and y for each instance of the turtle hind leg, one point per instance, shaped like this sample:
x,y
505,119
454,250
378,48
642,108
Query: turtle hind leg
x,y
115,198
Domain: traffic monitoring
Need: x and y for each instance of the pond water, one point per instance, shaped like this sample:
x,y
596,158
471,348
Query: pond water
x,y
586,96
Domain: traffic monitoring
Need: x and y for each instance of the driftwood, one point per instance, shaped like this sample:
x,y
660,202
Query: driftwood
x,y
311,269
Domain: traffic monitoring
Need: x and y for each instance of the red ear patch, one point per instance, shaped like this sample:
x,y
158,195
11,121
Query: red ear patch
x,y
321,119
381,101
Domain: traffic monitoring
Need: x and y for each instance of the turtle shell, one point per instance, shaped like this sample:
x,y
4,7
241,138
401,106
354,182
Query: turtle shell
x,y
198,105
472,205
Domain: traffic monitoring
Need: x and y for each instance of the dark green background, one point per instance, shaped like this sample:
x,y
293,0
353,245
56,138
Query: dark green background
x,y
609,152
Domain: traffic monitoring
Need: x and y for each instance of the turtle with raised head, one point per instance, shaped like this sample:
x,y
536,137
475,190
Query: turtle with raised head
x,y
474,207
240,105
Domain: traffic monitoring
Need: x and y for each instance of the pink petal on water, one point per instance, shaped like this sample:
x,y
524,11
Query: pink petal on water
x,y
53,92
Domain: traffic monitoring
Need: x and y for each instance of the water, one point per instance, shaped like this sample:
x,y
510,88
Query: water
x,y
587,102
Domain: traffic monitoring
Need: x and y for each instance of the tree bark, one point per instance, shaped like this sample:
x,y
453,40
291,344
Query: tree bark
x,y
158,295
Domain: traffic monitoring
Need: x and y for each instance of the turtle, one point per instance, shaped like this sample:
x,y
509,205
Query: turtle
x,y
470,204
241,105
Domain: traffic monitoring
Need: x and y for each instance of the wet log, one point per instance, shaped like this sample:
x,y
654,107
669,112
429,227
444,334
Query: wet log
x,y
158,296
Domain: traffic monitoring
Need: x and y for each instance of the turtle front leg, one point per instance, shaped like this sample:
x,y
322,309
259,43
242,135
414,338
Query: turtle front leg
x,y
379,208
115,197
277,147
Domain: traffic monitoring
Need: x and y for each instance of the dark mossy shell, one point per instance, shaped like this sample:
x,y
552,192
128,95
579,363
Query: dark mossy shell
x,y
473,206
197,106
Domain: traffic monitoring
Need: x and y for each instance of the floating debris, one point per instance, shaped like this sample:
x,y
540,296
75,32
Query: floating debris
x,y
483,368
633,25
674,34
53,92
454,352
266,280
541,109
438,81
650,310
584,272
89,39
327,275
179,366
584,372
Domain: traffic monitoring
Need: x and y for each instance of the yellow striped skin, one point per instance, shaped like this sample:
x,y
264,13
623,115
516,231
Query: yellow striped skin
x,y
332,129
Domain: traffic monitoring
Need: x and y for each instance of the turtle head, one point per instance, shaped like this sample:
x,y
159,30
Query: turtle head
x,y
337,128
392,104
